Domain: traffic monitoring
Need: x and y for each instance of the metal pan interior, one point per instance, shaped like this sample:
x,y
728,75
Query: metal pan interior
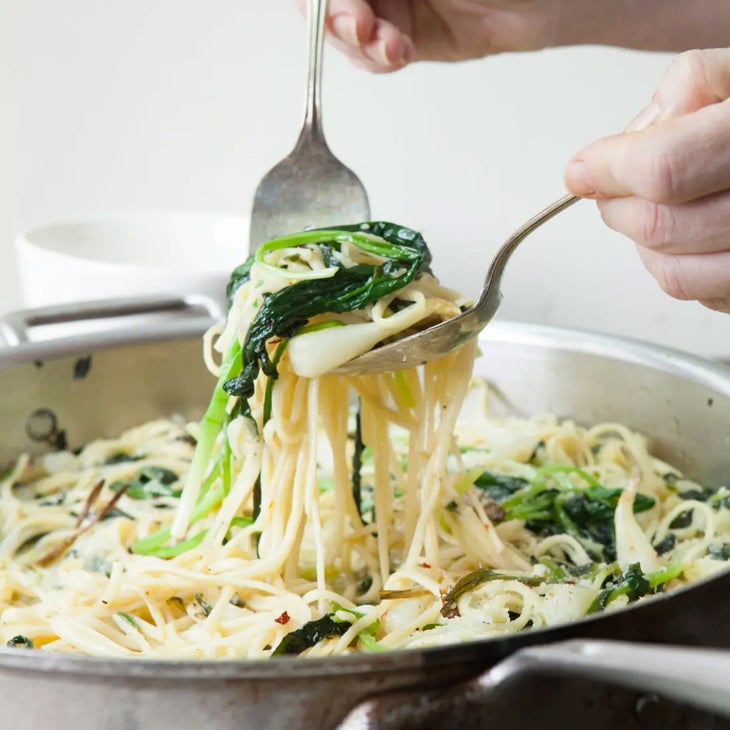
x,y
681,403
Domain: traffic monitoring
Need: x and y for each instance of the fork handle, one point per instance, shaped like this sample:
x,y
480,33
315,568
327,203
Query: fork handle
x,y
316,14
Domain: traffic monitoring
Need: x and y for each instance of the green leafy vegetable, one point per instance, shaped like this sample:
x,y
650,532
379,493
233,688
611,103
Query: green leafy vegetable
x,y
310,634
241,521
151,481
665,545
717,498
120,457
285,311
282,314
269,393
129,619
215,418
499,486
144,546
367,635
82,367
20,641
719,551
536,457
633,583
155,544
240,275
116,512
359,448
476,578
237,601
658,578
552,503
207,608
370,642
53,500
208,502
683,519
556,571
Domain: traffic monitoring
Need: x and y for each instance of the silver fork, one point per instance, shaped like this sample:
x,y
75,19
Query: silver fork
x,y
310,187
446,336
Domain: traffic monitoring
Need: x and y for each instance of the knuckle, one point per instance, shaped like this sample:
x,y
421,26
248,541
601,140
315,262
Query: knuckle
x,y
655,226
688,83
607,215
717,305
663,178
670,275
690,69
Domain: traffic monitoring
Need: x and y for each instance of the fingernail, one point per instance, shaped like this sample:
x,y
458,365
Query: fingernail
x,y
377,51
409,52
645,118
578,180
382,53
345,27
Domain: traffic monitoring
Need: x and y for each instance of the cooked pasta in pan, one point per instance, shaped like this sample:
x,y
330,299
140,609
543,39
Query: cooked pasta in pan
x,y
314,513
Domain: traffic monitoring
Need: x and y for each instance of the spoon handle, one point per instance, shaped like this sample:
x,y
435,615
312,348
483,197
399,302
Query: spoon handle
x,y
496,269
316,14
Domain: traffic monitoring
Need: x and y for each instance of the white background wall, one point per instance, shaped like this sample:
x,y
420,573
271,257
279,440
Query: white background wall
x,y
185,104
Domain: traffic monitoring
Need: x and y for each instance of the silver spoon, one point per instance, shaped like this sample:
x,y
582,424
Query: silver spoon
x,y
447,336
310,187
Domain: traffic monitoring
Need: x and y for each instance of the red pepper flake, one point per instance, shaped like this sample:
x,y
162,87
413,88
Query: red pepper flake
x,y
283,619
425,565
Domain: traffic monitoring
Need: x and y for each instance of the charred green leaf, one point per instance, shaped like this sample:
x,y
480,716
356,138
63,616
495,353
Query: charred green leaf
x,y
121,458
311,634
633,583
240,275
476,578
565,499
151,481
719,551
20,641
667,544
285,311
357,453
82,366
499,486
204,605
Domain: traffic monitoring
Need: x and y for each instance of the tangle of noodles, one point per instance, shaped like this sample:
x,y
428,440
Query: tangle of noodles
x,y
336,514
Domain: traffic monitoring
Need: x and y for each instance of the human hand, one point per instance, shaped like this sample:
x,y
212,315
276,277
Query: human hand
x,y
665,182
385,35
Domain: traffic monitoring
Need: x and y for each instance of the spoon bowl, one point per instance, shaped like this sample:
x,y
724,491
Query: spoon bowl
x,y
310,188
442,338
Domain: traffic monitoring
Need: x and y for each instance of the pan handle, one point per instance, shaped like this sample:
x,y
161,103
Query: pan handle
x,y
16,327
697,677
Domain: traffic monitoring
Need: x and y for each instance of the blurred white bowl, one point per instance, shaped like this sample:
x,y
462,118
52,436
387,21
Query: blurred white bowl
x,y
130,253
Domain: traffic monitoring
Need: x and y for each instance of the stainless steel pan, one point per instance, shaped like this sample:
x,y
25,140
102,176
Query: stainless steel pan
x,y
155,368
